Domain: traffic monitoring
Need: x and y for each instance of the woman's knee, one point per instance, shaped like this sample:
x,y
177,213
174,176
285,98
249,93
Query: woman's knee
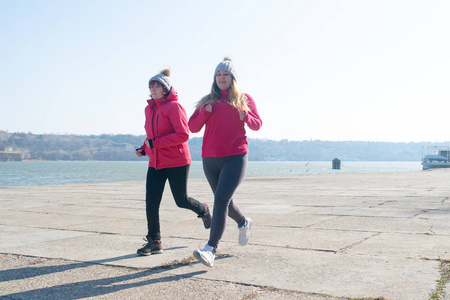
x,y
182,202
221,201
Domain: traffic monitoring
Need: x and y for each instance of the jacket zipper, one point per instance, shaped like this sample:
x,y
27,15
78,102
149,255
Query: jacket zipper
x,y
157,133
157,122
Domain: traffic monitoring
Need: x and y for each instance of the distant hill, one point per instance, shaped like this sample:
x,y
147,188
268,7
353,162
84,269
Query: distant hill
x,y
122,147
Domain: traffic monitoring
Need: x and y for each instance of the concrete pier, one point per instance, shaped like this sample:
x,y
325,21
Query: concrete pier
x,y
335,236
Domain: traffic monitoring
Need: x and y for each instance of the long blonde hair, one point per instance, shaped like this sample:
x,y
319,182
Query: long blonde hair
x,y
235,98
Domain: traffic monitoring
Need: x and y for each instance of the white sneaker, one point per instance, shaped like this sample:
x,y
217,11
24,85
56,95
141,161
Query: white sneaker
x,y
244,231
206,255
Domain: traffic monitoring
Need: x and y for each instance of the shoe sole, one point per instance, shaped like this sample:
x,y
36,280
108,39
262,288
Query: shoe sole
x,y
150,253
208,226
200,258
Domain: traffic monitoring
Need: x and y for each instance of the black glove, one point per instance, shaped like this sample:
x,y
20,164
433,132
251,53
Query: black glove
x,y
142,151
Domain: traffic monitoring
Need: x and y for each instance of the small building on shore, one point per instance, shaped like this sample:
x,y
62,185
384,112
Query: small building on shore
x,y
10,156
336,164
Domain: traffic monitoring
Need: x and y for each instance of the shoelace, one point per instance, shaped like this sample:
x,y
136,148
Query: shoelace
x,y
147,241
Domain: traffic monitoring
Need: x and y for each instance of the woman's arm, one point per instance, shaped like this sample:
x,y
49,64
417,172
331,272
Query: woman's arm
x,y
252,118
199,118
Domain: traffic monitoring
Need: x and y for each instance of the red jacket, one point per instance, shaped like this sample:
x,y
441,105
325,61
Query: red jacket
x,y
166,125
224,130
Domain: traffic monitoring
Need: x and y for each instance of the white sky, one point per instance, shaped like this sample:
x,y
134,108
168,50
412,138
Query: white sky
x,y
330,70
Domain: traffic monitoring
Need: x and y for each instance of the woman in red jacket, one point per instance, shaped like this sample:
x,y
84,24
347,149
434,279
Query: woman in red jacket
x,y
224,113
169,158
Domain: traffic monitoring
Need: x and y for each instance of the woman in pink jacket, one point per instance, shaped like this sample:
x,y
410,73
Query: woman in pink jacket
x,y
224,113
167,149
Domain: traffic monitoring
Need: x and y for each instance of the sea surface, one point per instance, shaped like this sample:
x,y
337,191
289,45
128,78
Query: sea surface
x,y
26,173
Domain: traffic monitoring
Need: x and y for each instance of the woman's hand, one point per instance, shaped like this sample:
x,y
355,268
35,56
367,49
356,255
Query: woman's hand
x,y
139,152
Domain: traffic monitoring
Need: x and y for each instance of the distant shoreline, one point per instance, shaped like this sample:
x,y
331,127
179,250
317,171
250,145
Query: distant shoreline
x,y
121,147
196,160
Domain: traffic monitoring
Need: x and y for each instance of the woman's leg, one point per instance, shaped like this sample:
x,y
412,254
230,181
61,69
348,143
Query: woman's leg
x,y
224,175
178,178
156,179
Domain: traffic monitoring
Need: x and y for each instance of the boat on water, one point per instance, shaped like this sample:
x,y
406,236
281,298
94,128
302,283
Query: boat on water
x,y
435,157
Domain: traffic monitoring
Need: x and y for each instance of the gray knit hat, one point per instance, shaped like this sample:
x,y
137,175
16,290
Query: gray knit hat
x,y
228,66
163,79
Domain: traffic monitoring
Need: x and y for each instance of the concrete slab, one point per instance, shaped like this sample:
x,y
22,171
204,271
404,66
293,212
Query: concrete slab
x,y
333,236
324,273
58,279
16,236
420,246
375,224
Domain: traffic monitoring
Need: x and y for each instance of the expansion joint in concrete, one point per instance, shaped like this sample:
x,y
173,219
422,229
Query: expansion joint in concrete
x,y
444,269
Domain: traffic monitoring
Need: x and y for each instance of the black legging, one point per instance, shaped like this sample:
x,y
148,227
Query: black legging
x,y
156,180
224,175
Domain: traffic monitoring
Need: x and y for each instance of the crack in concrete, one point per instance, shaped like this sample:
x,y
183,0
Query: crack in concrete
x,y
320,222
62,229
343,250
265,288
421,212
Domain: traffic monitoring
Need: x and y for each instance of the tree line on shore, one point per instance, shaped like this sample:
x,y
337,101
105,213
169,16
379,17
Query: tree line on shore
x,y
122,147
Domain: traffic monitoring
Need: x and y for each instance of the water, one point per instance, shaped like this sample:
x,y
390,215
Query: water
x,y
26,173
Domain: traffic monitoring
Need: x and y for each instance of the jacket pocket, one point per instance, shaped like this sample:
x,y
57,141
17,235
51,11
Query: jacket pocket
x,y
181,152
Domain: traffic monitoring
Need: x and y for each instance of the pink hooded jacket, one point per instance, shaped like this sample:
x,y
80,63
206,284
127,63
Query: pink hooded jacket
x,y
167,126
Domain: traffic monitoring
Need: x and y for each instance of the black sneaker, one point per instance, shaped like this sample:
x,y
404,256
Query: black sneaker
x,y
152,247
206,217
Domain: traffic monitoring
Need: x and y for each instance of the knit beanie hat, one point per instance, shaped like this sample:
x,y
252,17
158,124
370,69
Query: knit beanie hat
x,y
162,78
228,66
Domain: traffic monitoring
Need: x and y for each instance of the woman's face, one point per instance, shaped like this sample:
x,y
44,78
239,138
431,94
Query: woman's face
x,y
223,79
156,90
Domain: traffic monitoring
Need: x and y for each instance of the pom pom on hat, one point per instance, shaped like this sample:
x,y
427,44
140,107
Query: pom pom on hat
x,y
163,78
165,72
227,65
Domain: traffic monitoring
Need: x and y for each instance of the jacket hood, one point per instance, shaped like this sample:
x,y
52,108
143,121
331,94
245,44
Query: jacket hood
x,y
173,96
